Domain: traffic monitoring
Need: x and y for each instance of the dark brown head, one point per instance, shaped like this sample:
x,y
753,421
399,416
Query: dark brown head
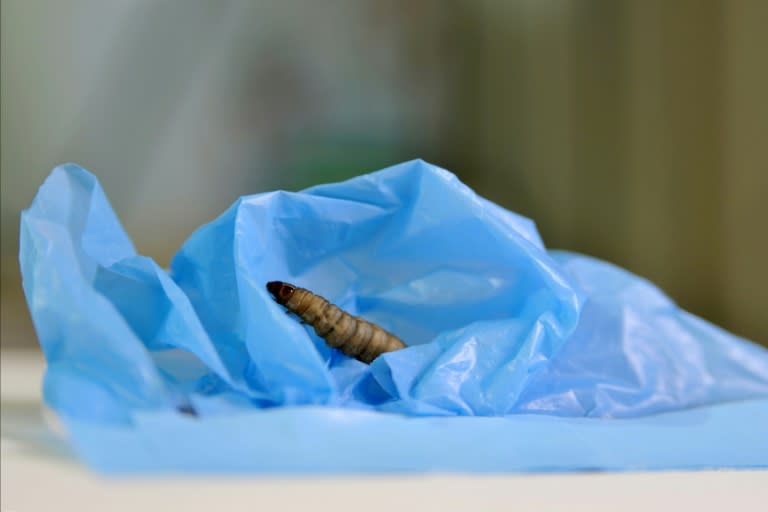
x,y
281,291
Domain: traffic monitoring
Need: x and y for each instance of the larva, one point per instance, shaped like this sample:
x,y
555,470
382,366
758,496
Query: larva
x,y
353,335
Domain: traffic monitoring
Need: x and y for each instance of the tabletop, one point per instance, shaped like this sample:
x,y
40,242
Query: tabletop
x,y
39,472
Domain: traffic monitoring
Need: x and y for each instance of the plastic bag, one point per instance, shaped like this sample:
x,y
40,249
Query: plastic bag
x,y
496,326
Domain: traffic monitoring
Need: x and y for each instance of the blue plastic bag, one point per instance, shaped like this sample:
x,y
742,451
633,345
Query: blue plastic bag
x,y
544,349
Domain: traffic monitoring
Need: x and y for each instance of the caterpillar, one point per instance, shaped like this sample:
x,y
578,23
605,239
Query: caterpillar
x,y
354,336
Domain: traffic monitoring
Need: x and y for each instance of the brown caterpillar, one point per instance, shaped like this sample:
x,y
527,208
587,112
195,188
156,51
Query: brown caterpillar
x,y
352,335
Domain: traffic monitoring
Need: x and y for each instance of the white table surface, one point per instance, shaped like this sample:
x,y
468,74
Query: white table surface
x,y
39,473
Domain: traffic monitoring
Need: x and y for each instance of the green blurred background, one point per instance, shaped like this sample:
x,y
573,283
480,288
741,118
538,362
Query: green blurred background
x,y
635,131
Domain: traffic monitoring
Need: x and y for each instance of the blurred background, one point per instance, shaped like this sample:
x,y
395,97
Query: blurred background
x,y
634,131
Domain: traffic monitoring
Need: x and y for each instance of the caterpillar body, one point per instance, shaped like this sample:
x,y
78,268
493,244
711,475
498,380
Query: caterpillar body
x,y
353,335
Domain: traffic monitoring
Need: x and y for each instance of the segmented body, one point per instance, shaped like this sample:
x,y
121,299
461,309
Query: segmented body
x,y
353,335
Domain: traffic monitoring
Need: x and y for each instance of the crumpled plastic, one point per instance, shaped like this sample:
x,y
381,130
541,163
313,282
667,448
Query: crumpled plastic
x,y
518,358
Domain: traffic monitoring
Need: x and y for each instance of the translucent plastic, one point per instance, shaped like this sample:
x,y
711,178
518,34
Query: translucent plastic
x,y
495,324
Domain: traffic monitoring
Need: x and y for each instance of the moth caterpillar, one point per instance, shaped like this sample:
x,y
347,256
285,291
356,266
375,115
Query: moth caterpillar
x,y
353,335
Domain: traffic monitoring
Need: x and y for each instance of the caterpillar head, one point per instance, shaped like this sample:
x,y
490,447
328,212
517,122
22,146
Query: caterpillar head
x,y
281,291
